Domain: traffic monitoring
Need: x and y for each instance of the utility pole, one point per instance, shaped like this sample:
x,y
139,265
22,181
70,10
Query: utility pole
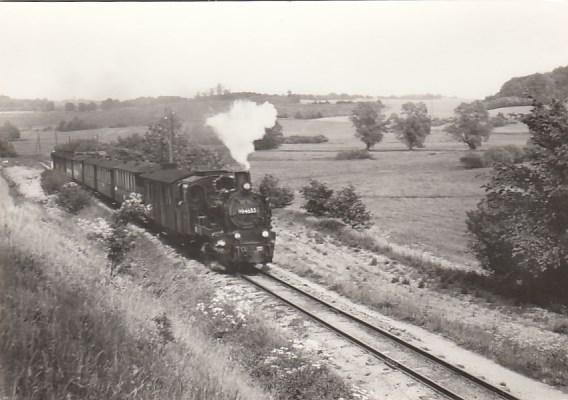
x,y
170,119
55,132
38,143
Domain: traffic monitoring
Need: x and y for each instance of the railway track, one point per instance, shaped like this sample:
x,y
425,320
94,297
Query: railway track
x,y
444,378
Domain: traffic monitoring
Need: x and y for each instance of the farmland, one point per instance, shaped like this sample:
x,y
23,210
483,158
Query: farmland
x,y
418,199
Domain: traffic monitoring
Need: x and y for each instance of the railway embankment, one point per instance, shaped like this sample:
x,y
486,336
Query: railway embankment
x,y
158,330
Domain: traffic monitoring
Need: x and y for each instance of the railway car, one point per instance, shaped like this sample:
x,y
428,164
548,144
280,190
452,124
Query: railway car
x,y
127,178
214,211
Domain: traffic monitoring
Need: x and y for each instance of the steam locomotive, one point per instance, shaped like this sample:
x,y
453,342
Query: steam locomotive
x,y
213,211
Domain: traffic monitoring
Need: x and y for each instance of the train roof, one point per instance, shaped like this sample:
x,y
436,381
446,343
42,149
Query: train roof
x,y
138,166
169,175
102,162
81,157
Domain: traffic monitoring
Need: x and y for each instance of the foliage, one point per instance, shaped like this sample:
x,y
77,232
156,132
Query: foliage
x,y
470,124
493,102
499,154
317,196
75,124
52,181
496,155
369,123
472,160
80,145
7,149
499,120
72,198
278,196
520,229
414,125
297,139
9,131
347,205
272,138
201,158
69,106
353,155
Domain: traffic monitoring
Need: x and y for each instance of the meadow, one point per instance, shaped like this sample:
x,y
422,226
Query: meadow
x,y
418,198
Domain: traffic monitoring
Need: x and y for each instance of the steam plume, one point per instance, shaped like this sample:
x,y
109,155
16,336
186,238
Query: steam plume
x,y
241,126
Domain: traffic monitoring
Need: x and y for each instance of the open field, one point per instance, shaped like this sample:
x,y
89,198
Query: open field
x,y
418,198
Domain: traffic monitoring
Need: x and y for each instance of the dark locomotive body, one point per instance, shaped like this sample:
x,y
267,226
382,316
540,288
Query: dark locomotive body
x,y
211,210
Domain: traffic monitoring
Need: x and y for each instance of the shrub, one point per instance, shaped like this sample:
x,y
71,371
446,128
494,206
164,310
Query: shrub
x,y
317,196
272,138
516,152
76,124
52,181
472,160
496,155
353,155
72,198
7,149
278,196
297,139
348,206
9,131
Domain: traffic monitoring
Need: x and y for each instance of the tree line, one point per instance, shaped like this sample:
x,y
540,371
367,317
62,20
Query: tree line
x,y
470,124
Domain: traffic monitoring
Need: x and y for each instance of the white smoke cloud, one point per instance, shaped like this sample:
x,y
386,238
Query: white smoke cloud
x,y
241,126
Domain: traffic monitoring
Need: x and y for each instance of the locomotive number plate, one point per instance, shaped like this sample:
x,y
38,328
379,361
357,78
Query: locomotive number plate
x,y
251,210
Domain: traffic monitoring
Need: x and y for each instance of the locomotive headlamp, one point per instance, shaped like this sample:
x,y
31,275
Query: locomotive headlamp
x,y
246,186
265,234
237,236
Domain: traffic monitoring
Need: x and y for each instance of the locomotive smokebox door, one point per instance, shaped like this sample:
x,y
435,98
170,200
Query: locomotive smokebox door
x,y
241,178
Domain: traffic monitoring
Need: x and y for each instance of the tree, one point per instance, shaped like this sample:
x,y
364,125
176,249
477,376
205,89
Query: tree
x,y
272,138
109,103
470,124
69,106
519,231
7,149
82,107
9,131
92,106
370,124
414,126
347,205
317,196
278,196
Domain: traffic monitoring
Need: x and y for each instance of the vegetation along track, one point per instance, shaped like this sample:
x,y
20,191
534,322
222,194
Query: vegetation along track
x,y
441,376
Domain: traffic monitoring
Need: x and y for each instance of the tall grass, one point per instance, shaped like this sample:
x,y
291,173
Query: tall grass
x,y
69,332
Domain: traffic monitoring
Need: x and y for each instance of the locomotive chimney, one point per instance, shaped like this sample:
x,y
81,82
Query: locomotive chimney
x,y
241,178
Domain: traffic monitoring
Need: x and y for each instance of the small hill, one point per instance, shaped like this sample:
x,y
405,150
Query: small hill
x,y
516,91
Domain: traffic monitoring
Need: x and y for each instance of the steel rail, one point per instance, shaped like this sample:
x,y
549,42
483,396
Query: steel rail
x,y
452,368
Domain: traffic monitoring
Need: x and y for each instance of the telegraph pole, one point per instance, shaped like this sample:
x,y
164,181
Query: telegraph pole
x,y
38,143
170,119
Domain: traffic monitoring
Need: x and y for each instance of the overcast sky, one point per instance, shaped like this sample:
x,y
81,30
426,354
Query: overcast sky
x,y
126,50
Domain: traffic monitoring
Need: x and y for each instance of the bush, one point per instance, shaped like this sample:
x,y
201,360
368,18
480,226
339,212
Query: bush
x,y
516,152
278,196
75,124
7,149
297,139
272,138
353,155
52,181
496,155
347,205
9,131
472,160
72,198
317,196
